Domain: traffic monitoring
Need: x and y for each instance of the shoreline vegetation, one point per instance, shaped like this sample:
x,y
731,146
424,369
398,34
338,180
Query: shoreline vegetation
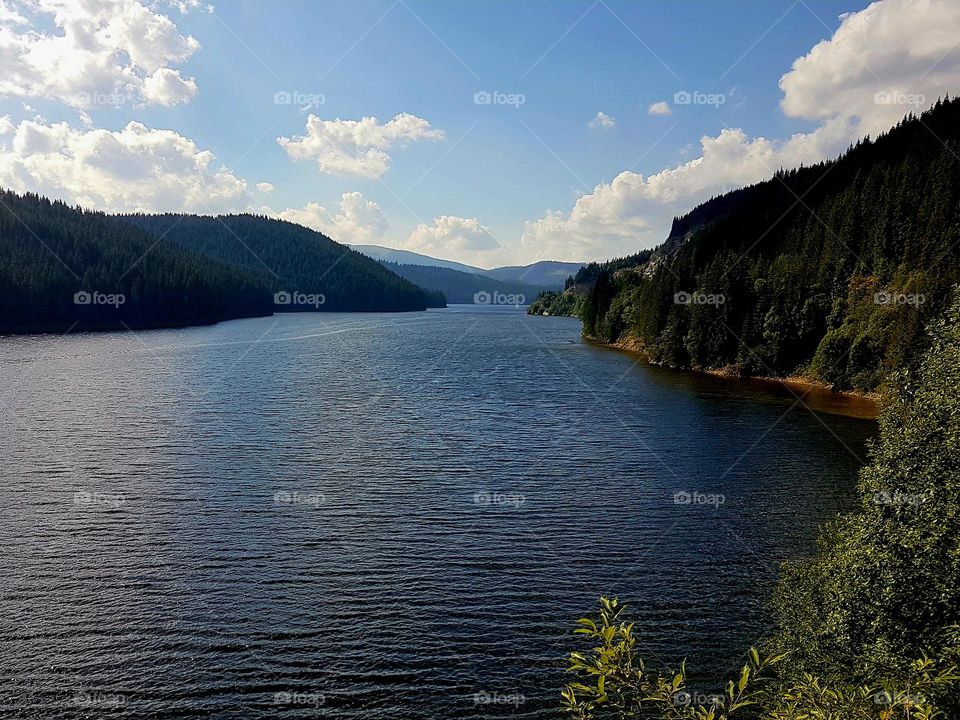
x,y
833,293
815,394
66,269
868,627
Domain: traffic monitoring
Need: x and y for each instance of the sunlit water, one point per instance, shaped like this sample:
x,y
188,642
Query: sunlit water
x,y
380,516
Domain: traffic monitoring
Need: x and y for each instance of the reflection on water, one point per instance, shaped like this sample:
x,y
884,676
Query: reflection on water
x,y
380,516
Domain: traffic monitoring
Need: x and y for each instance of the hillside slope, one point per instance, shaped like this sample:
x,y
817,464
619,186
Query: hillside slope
x,y
829,271
63,268
465,288
302,265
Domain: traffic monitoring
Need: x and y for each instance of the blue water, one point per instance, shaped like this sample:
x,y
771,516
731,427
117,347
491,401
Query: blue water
x,y
380,516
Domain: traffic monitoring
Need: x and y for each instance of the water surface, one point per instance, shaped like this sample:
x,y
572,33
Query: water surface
x,y
380,516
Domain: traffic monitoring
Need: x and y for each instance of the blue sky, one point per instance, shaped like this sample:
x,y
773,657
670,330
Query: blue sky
x,y
489,173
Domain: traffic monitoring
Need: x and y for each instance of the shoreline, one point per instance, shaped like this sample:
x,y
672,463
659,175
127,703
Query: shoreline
x,y
816,394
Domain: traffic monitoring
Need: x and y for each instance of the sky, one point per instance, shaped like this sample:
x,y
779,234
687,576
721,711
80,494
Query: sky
x,y
490,133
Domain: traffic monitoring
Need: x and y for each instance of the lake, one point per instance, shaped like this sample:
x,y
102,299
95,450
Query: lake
x,y
381,516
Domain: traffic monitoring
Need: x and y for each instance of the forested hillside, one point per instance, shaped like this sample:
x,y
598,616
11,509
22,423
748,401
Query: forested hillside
x,y
829,271
292,260
63,268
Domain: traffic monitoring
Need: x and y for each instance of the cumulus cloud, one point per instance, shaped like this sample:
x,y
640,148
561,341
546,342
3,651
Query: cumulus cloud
x,y
602,121
893,57
451,236
659,108
133,169
96,52
265,187
861,81
357,221
356,147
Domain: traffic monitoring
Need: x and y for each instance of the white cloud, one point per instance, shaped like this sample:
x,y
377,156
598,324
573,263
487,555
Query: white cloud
x,y
133,169
265,187
168,87
465,239
357,222
94,52
904,49
356,147
659,108
835,83
602,121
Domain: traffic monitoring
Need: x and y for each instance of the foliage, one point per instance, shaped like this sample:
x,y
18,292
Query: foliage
x,y
831,271
614,683
885,584
568,303
50,251
292,258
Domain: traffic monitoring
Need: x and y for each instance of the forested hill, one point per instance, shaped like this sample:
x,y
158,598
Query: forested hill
x,y
828,271
63,268
306,268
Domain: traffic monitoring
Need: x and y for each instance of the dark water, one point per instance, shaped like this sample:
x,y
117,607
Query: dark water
x,y
379,516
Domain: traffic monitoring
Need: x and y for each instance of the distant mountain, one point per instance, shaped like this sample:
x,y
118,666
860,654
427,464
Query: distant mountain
x,y
63,269
405,257
466,288
546,274
305,269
